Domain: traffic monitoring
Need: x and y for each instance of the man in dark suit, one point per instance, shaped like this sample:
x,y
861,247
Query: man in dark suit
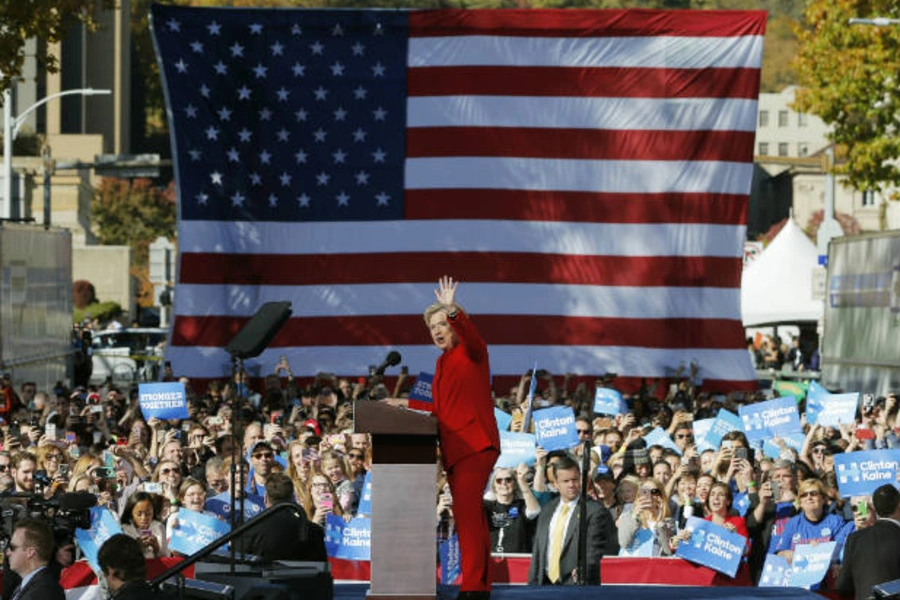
x,y
287,535
29,551
555,555
872,555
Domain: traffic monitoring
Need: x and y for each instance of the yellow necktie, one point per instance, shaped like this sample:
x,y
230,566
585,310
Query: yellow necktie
x,y
556,544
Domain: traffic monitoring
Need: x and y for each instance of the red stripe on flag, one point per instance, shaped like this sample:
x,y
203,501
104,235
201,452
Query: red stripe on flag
x,y
492,267
597,144
587,23
596,82
404,330
578,207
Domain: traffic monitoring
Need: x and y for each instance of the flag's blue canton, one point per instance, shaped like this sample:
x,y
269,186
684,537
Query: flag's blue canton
x,y
286,115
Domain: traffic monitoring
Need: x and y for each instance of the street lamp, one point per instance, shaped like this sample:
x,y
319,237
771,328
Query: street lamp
x,y
11,126
877,21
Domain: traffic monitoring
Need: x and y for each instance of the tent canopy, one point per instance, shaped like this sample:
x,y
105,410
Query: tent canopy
x,y
777,286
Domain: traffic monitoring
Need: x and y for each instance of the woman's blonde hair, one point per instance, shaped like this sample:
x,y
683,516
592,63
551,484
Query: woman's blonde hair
x,y
436,308
663,500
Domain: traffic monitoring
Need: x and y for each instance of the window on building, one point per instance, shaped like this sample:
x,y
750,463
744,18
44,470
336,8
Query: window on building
x,y
868,198
802,149
802,119
764,148
763,118
782,118
782,149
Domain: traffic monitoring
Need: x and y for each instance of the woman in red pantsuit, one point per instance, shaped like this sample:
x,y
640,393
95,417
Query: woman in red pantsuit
x,y
470,441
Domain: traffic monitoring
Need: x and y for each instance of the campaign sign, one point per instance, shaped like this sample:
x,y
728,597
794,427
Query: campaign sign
x,y
163,400
810,564
773,418
837,409
515,448
350,541
503,419
725,421
701,428
420,397
712,546
659,437
861,473
608,401
794,440
450,565
195,530
641,546
776,572
103,527
741,503
554,428
220,505
365,503
815,401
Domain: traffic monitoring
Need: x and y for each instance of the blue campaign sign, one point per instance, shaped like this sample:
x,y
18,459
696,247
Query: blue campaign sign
x,y
450,565
741,503
608,401
195,530
776,572
163,400
365,503
794,440
861,473
837,409
659,437
220,505
816,396
773,418
554,428
810,564
701,428
641,546
712,546
420,396
724,422
348,540
516,448
503,419
103,527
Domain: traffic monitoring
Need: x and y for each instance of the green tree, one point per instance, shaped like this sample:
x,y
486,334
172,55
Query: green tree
x,y
133,213
849,76
48,20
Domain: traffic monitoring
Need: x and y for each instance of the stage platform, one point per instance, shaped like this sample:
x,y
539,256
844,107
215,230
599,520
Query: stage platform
x,y
357,591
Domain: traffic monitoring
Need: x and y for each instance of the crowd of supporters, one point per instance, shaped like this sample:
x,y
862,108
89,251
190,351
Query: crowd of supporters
x,y
96,439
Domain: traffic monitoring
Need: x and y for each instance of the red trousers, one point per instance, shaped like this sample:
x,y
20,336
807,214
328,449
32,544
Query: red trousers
x,y
468,479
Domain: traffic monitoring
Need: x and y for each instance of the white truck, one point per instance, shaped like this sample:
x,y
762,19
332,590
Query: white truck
x,y
861,339
35,303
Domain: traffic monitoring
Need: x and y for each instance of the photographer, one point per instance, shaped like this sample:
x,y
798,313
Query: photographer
x,y
123,566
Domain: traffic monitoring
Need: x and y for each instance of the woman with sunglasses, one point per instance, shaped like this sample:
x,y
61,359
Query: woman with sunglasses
x,y
322,499
646,529
168,475
812,524
512,516
49,458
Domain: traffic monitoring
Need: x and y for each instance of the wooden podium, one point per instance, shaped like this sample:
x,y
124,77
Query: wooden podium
x,y
404,492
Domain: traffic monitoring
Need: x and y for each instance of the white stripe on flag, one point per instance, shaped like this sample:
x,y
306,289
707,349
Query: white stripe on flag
x,y
583,239
481,299
646,52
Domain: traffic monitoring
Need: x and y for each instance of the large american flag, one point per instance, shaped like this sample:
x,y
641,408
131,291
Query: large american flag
x,y
584,173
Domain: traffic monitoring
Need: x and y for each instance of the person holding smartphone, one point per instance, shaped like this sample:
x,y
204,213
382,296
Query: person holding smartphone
x,y
470,440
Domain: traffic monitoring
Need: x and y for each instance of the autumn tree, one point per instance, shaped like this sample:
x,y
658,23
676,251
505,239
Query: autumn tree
x,y
48,20
849,77
133,213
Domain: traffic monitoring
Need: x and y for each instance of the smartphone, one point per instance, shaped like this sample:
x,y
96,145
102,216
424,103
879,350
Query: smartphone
x,y
741,453
50,430
98,436
186,426
63,471
776,489
215,421
146,533
70,437
153,488
97,408
104,473
326,501
863,508
310,454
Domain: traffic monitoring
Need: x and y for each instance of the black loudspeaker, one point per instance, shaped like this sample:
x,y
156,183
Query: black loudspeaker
x,y
253,338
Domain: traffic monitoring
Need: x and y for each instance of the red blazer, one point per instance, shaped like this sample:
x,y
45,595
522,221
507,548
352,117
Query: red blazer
x,y
461,390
